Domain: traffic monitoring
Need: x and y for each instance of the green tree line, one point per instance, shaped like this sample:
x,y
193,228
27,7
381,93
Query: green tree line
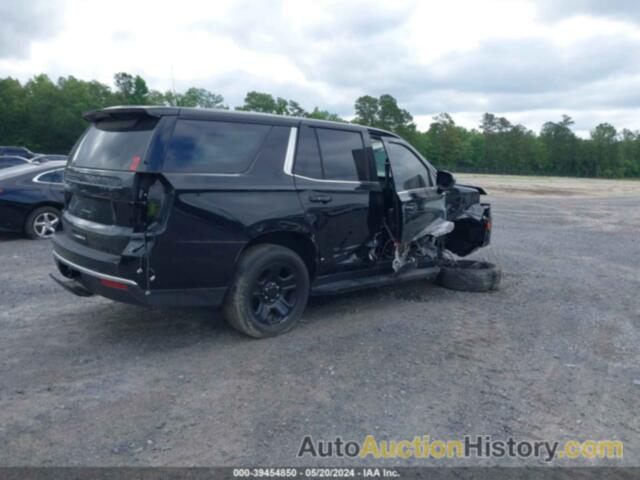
x,y
46,116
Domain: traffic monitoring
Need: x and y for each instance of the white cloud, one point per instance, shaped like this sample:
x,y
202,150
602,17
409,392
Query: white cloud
x,y
518,58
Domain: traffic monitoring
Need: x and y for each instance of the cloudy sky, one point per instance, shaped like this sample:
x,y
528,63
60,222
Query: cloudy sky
x,y
531,61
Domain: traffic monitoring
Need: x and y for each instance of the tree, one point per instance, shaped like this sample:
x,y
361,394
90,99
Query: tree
x,y
282,106
158,98
391,116
14,129
201,98
630,153
495,147
131,90
296,110
324,115
259,102
444,142
562,147
367,110
605,148
46,116
385,113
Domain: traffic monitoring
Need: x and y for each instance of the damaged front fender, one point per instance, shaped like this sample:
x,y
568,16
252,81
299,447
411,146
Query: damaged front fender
x,y
472,230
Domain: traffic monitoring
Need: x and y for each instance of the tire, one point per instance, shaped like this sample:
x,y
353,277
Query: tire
x,y
42,223
470,276
269,291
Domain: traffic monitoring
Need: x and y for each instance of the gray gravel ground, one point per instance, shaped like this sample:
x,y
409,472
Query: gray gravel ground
x,y
554,355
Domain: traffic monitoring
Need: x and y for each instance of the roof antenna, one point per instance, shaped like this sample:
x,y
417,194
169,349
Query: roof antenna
x,y
173,88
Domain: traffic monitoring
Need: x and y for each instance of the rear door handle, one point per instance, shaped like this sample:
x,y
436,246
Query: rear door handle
x,y
320,198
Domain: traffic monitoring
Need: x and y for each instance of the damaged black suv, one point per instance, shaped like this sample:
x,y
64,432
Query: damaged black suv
x,y
254,212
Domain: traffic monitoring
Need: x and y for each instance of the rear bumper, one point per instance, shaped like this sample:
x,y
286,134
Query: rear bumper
x,y
94,274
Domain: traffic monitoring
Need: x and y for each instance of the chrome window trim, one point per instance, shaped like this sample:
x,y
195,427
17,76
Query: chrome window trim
x,y
204,174
93,273
349,182
417,189
291,151
36,179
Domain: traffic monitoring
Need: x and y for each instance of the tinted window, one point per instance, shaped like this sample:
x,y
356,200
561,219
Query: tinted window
x,y
343,155
214,147
408,171
114,145
380,156
22,152
11,161
54,176
308,155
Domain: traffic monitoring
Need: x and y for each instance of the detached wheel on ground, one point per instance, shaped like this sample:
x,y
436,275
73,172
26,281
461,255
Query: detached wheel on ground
x,y
42,223
470,276
269,292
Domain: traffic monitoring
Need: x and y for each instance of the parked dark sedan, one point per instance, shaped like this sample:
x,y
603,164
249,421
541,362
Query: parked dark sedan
x,y
7,161
31,197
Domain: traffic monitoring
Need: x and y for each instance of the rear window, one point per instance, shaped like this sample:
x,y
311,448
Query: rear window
x,y
201,146
114,144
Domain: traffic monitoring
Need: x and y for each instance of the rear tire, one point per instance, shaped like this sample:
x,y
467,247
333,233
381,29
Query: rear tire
x,y
269,291
470,276
42,223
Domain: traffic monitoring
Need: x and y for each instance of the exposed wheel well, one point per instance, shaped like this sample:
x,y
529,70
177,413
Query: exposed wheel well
x,y
298,242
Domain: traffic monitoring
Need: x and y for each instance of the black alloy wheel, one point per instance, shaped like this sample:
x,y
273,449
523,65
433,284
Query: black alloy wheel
x,y
275,293
269,291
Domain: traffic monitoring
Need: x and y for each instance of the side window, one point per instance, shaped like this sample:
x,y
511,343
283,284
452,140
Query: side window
x,y
343,155
380,156
201,146
54,176
408,170
307,161
10,162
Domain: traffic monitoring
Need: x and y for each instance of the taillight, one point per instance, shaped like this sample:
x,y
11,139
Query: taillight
x,y
135,161
152,195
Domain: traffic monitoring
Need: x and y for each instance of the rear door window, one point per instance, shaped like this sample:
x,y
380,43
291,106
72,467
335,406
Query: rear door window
x,y
308,163
201,146
114,144
54,176
343,155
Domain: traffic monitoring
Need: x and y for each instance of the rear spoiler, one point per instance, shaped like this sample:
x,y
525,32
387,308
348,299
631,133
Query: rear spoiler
x,y
133,111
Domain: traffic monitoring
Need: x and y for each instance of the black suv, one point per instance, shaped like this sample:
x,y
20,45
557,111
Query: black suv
x,y
254,212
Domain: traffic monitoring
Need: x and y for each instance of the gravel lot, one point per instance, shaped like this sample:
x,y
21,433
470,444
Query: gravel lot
x,y
554,355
